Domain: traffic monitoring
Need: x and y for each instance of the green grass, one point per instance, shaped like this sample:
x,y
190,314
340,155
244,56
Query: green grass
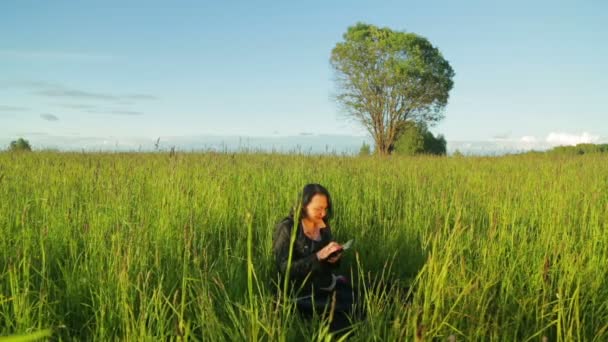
x,y
153,247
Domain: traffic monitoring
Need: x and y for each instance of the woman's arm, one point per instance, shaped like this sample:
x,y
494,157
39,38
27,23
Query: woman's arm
x,y
335,264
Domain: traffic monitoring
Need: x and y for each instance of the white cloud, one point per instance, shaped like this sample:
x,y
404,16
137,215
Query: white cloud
x,y
556,139
559,138
528,139
523,143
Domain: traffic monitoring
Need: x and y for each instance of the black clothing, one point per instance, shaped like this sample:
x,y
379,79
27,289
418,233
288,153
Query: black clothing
x,y
308,275
306,272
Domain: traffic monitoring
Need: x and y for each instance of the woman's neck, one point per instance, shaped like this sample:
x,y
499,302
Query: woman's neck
x,y
311,229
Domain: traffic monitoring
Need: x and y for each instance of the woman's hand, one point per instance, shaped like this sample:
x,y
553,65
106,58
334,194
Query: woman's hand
x,y
327,250
335,258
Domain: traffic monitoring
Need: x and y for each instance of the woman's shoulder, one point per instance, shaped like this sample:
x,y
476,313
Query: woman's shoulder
x,y
286,222
283,227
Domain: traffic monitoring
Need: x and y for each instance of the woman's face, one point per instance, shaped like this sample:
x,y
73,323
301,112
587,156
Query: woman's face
x,y
317,208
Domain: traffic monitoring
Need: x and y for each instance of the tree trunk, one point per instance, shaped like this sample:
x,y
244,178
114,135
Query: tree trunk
x,y
382,148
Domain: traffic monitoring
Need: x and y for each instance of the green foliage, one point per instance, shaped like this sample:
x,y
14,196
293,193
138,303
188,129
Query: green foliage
x,y
434,145
35,336
386,77
579,149
20,145
410,141
457,154
365,150
417,139
148,247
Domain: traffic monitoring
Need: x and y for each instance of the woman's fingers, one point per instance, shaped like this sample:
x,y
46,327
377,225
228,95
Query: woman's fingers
x,y
335,246
327,250
332,247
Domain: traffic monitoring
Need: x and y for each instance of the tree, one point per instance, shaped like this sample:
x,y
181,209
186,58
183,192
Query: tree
x,y
434,145
20,145
417,139
457,154
386,78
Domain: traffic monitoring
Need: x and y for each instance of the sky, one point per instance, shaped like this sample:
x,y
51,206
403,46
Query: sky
x,y
528,74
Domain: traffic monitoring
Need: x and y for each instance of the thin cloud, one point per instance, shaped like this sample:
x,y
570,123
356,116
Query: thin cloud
x,y
28,84
75,94
32,134
49,117
125,112
77,106
114,112
59,91
12,109
140,97
502,136
96,110
87,95
68,56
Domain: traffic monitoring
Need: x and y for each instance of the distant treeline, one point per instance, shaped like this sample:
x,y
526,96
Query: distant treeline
x,y
580,149
575,150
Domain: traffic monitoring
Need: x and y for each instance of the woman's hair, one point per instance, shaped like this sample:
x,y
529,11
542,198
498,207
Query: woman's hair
x,y
309,191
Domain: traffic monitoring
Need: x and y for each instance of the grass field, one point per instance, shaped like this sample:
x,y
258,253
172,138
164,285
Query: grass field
x,y
154,247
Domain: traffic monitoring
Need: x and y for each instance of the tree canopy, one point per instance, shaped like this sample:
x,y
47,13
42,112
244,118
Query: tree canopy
x,y
20,145
385,78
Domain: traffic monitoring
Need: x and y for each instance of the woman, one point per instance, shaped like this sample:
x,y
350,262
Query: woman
x,y
315,257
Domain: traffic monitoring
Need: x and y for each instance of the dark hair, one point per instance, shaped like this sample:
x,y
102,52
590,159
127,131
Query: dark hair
x,y
309,191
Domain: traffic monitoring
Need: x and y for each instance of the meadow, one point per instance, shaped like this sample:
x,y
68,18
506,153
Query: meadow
x,y
159,246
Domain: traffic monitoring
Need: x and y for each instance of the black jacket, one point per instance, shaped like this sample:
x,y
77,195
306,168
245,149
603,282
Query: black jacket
x,y
304,256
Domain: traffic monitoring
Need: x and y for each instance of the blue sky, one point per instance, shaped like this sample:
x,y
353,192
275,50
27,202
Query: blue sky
x,y
528,73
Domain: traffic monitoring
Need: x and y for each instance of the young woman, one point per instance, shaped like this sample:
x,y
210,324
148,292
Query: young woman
x,y
315,257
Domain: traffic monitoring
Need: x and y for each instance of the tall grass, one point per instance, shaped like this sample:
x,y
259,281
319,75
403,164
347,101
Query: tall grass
x,y
156,246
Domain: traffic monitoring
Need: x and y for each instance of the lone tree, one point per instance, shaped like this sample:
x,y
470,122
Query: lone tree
x,y
386,78
20,145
